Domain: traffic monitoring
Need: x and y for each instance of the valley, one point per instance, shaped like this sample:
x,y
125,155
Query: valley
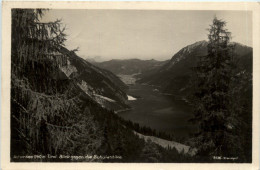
x,y
159,94
160,88
158,111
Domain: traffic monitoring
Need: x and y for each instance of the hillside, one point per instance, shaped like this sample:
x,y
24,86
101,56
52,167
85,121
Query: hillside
x,y
168,144
101,85
130,66
77,120
173,77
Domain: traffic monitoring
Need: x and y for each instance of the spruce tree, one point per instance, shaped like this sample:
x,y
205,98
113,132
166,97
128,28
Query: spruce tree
x,y
35,55
48,117
213,112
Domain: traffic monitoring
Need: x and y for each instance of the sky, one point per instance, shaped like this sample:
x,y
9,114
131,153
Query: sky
x,y
145,34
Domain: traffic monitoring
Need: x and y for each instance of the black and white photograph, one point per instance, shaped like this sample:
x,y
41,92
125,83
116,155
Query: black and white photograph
x,y
131,86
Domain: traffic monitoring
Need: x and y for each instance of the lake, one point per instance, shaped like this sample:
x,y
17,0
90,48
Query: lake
x,y
158,111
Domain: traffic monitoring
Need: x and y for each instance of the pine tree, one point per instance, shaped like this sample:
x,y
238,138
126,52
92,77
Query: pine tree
x,y
35,54
47,118
213,95
35,41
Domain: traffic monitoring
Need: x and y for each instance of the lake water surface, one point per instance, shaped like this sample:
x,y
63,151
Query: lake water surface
x,y
158,111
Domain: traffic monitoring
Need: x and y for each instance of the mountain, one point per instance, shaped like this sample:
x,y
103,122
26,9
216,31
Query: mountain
x,y
69,111
59,110
174,75
63,107
130,66
101,85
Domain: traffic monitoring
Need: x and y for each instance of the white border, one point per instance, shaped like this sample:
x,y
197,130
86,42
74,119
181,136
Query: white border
x,y
5,98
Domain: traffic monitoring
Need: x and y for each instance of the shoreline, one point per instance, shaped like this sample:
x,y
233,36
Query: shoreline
x,y
122,110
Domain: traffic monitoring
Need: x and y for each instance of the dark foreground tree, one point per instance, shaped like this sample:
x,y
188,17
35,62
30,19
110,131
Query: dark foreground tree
x,y
46,119
219,122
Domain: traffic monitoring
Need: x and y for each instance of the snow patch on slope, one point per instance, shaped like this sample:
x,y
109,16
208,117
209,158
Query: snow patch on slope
x,y
86,88
130,98
102,100
105,98
68,69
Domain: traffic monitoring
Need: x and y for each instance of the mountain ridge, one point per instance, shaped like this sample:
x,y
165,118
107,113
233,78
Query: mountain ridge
x,y
129,66
101,85
172,76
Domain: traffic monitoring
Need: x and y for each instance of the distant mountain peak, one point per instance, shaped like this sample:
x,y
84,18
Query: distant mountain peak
x,y
195,45
197,48
130,66
184,52
198,43
173,75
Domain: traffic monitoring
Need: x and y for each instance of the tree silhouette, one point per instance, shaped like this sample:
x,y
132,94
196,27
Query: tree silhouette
x,y
213,95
